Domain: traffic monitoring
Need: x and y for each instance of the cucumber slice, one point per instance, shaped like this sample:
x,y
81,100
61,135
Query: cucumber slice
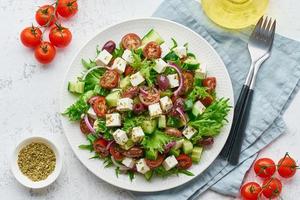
x,y
112,98
187,147
174,152
127,145
196,154
76,87
190,64
162,121
125,82
152,36
149,126
151,154
86,96
178,144
148,175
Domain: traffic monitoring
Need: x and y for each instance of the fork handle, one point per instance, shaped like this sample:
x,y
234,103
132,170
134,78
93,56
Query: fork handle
x,y
238,107
242,120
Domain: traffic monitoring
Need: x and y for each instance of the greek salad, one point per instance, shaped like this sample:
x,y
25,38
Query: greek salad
x,y
147,110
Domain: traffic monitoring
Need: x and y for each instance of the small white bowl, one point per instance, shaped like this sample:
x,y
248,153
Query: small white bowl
x,y
24,180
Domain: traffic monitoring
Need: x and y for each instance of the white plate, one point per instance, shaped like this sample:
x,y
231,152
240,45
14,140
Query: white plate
x,y
167,29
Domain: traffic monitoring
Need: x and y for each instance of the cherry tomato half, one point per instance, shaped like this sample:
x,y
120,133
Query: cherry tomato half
x,y
155,163
110,79
84,128
264,167
45,52
67,8
31,36
60,36
188,82
271,188
287,167
152,50
100,147
250,191
207,101
99,106
115,152
210,83
131,41
45,16
128,70
184,161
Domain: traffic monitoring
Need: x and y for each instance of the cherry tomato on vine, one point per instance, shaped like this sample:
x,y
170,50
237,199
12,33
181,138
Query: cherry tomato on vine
x,y
67,8
264,167
271,188
31,36
287,167
45,16
250,191
60,36
45,52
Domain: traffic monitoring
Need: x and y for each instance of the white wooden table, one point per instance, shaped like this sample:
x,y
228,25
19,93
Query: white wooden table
x,y
30,95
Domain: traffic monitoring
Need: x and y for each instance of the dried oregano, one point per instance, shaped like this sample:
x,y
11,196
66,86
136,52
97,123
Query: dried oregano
x,y
36,161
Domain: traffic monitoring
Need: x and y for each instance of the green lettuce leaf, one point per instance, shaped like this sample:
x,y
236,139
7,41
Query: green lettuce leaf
x,y
156,141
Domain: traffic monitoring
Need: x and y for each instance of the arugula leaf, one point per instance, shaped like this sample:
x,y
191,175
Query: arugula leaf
x,y
118,52
162,172
100,127
210,122
117,170
174,44
156,141
107,162
96,156
81,106
130,175
86,147
89,64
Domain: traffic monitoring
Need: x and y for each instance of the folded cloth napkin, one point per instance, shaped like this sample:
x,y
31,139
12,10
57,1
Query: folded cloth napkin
x,y
277,82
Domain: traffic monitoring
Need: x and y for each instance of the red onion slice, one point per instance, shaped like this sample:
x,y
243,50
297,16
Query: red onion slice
x,y
170,145
92,99
93,68
143,91
121,167
88,124
182,115
174,66
109,144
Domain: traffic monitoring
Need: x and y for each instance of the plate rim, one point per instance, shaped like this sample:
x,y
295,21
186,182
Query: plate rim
x,y
62,90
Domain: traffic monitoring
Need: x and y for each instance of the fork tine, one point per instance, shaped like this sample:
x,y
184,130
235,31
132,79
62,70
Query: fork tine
x,y
257,28
272,31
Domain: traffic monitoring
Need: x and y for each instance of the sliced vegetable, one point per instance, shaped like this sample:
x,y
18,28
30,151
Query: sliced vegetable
x,y
152,36
187,147
196,154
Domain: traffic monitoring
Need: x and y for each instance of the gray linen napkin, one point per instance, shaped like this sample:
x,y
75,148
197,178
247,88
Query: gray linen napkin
x,y
277,82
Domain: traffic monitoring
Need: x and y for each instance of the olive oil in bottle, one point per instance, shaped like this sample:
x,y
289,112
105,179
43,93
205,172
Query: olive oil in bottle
x,y
234,14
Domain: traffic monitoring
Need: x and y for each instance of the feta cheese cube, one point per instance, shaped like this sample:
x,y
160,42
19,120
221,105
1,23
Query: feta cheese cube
x,y
188,132
141,166
120,136
173,80
137,134
154,110
127,55
119,64
180,51
170,162
92,113
136,79
198,108
166,103
125,104
113,119
103,58
128,162
201,72
160,65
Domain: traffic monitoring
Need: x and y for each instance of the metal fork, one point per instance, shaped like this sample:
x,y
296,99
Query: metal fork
x,y
259,47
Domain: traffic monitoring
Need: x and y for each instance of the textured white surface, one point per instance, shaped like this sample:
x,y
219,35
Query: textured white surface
x,y
30,93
